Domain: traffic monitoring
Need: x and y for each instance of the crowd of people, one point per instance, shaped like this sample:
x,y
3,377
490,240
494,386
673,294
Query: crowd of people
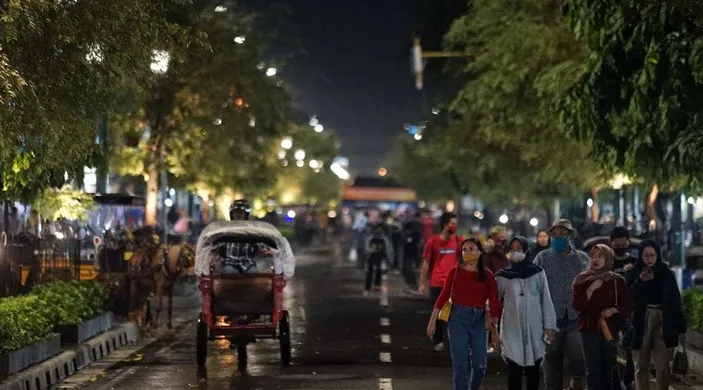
x,y
540,304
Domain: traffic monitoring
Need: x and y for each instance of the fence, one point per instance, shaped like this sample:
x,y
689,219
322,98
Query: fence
x,y
25,262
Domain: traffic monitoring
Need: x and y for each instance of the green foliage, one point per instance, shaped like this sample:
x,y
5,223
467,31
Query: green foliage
x,y
64,203
22,322
70,303
692,300
61,63
501,137
639,99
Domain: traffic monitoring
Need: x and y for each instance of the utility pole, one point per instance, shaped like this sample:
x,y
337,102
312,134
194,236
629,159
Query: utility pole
x,y
419,57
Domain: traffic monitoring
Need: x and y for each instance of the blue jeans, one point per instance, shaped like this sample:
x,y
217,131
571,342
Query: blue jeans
x,y
467,335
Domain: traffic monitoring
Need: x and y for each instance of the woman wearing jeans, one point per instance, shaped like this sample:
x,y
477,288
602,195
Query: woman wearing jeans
x,y
469,285
603,300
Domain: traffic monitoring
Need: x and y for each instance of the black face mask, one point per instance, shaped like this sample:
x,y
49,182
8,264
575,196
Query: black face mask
x,y
620,252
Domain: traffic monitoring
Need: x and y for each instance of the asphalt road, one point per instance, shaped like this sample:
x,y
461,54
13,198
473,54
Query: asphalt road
x,y
341,340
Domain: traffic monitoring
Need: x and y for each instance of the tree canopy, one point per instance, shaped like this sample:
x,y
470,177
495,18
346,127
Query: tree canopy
x,y
639,99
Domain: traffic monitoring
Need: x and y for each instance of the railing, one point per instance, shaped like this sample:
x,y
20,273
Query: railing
x,y
29,261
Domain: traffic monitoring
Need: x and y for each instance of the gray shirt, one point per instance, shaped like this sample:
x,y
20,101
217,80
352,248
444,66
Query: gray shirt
x,y
561,270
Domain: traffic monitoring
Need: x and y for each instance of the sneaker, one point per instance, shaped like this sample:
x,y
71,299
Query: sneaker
x,y
439,347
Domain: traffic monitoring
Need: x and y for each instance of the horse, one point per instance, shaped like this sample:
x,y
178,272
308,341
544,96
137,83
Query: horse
x,y
161,265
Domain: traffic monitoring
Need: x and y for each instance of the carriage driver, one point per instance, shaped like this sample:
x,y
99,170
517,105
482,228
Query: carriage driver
x,y
238,258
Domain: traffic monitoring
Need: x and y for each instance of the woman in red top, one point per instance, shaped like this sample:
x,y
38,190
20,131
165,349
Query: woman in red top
x,y
602,299
469,285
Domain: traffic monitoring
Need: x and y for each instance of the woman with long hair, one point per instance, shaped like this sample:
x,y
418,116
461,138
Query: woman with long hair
x,y
469,285
658,323
602,299
528,316
542,242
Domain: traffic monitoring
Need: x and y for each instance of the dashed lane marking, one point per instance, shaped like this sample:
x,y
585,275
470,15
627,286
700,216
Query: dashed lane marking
x,y
385,384
385,357
385,321
384,300
385,339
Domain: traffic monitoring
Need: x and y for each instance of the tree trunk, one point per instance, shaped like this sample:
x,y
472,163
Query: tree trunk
x,y
595,207
152,190
651,207
206,211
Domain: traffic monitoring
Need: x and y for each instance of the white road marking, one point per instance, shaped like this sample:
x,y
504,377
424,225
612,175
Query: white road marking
x,y
385,384
385,357
384,300
385,321
385,339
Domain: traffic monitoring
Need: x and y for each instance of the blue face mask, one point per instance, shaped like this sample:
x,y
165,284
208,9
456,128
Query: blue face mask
x,y
559,244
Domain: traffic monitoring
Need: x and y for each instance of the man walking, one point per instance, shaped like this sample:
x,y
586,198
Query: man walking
x,y
562,263
624,262
439,257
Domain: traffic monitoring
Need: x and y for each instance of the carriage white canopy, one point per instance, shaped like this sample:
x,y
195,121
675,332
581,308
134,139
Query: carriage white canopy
x,y
283,260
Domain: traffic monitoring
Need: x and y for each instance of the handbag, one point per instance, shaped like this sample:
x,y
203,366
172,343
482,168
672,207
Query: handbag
x,y
679,366
447,307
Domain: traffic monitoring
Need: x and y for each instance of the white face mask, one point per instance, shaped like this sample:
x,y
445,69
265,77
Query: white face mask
x,y
517,257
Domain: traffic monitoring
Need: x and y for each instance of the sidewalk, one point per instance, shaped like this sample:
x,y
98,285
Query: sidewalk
x,y
79,364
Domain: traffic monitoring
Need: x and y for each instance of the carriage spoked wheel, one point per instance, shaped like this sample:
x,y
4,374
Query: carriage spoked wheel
x,y
201,342
284,338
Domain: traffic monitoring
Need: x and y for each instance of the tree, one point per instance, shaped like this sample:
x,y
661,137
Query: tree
x,y
62,63
503,134
211,115
639,99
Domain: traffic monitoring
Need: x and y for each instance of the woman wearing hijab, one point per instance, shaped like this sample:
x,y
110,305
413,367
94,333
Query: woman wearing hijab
x,y
528,308
658,323
603,301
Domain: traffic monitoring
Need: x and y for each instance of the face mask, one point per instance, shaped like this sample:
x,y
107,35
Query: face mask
x,y
620,252
559,244
516,257
470,258
451,229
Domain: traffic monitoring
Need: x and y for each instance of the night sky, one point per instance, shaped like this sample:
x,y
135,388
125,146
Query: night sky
x,y
349,63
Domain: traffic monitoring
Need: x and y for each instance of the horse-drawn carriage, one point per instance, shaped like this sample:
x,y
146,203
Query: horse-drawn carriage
x,y
244,306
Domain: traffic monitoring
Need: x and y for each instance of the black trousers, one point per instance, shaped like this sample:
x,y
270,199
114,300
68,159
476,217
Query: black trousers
x,y
374,264
409,259
516,372
601,361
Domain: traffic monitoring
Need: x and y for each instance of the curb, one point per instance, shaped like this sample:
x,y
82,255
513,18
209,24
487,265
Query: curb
x,y
51,372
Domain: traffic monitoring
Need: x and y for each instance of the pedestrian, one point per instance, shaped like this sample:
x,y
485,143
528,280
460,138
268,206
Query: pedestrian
x,y
542,242
379,250
412,233
469,285
658,323
623,261
497,259
603,300
438,258
524,295
562,263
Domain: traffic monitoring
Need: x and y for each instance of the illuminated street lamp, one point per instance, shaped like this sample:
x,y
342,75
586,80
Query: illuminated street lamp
x,y
287,143
270,72
319,128
239,40
534,222
299,154
382,172
159,61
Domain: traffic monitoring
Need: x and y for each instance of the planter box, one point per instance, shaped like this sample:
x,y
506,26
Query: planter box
x,y
77,334
695,339
21,359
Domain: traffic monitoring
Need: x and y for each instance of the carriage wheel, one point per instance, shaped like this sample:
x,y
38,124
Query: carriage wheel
x,y
242,356
284,338
201,342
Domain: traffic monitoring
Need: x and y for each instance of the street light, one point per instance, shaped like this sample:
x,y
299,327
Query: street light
x,y
159,61
239,40
319,128
299,154
287,143
270,72
503,219
314,121
418,137
534,222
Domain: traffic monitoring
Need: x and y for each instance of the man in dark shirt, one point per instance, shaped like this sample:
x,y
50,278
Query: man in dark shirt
x,y
412,231
379,250
624,261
